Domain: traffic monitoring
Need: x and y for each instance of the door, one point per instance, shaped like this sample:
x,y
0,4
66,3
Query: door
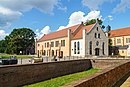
x,y
97,51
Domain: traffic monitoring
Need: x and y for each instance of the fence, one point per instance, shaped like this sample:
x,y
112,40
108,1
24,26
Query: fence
x,y
65,58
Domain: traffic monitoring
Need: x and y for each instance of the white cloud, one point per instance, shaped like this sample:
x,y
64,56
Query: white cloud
x,y
110,17
61,27
78,17
7,16
46,6
11,10
3,34
45,30
94,4
124,4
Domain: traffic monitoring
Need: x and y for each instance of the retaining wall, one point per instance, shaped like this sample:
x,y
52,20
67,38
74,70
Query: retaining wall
x,y
109,77
18,75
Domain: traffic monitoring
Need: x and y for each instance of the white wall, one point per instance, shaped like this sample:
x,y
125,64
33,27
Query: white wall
x,y
81,47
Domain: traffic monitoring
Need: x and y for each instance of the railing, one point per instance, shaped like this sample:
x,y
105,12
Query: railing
x,y
65,58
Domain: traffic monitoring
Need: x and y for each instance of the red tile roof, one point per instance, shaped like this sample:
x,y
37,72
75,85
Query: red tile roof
x,y
120,32
64,32
58,34
79,34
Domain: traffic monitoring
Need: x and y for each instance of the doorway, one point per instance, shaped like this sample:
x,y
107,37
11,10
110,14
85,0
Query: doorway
x,y
97,51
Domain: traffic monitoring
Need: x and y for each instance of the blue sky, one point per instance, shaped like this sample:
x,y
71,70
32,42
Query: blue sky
x,y
45,16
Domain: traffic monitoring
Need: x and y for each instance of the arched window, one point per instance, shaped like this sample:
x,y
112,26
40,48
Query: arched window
x,y
52,52
90,47
74,47
103,48
78,47
44,53
95,35
97,28
98,35
97,43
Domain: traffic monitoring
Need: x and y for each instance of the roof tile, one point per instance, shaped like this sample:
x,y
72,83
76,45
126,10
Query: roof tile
x,y
58,34
120,32
64,33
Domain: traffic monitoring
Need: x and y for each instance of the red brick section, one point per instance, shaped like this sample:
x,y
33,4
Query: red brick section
x,y
18,75
108,77
120,32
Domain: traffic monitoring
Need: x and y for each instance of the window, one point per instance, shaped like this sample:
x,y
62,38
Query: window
x,y
74,47
97,43
97,28
44,52
62,42
103,48
52,44
90,47
95,35
47,44
122,51
98,35
52,53
118,40
127,40
57,43
78,47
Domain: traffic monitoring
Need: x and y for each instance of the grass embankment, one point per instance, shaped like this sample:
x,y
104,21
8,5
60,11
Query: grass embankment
x,y
17,56
60,81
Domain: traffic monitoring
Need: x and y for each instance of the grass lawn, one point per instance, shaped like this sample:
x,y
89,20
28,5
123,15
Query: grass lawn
x,y
60,81
17,56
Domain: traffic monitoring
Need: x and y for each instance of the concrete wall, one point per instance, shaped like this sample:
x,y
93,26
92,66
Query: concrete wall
x,y
18,75
109,77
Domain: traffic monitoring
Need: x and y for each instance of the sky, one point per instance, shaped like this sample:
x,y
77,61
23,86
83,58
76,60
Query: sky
x,y
46,16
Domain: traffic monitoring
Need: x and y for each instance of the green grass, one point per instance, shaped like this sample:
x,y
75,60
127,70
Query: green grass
x,y
60,81
17,56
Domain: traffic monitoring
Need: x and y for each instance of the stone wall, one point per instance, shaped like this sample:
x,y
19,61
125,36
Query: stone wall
x,y
18,75
109,77
105,63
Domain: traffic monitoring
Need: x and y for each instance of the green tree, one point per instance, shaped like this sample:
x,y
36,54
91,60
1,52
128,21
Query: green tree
x,y
2,46
93,21
20,40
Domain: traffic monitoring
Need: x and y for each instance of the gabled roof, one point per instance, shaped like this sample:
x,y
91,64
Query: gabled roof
x,y
64,32
79,34
120,32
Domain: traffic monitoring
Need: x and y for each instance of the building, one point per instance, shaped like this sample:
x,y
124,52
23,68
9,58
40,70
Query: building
x,y
77,40
121,40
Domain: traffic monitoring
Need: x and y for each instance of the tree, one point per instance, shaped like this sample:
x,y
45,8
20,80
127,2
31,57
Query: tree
x,y
2,46
93,21
21,39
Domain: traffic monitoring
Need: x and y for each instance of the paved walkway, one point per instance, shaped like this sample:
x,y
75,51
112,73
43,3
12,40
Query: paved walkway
x,y
126,83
